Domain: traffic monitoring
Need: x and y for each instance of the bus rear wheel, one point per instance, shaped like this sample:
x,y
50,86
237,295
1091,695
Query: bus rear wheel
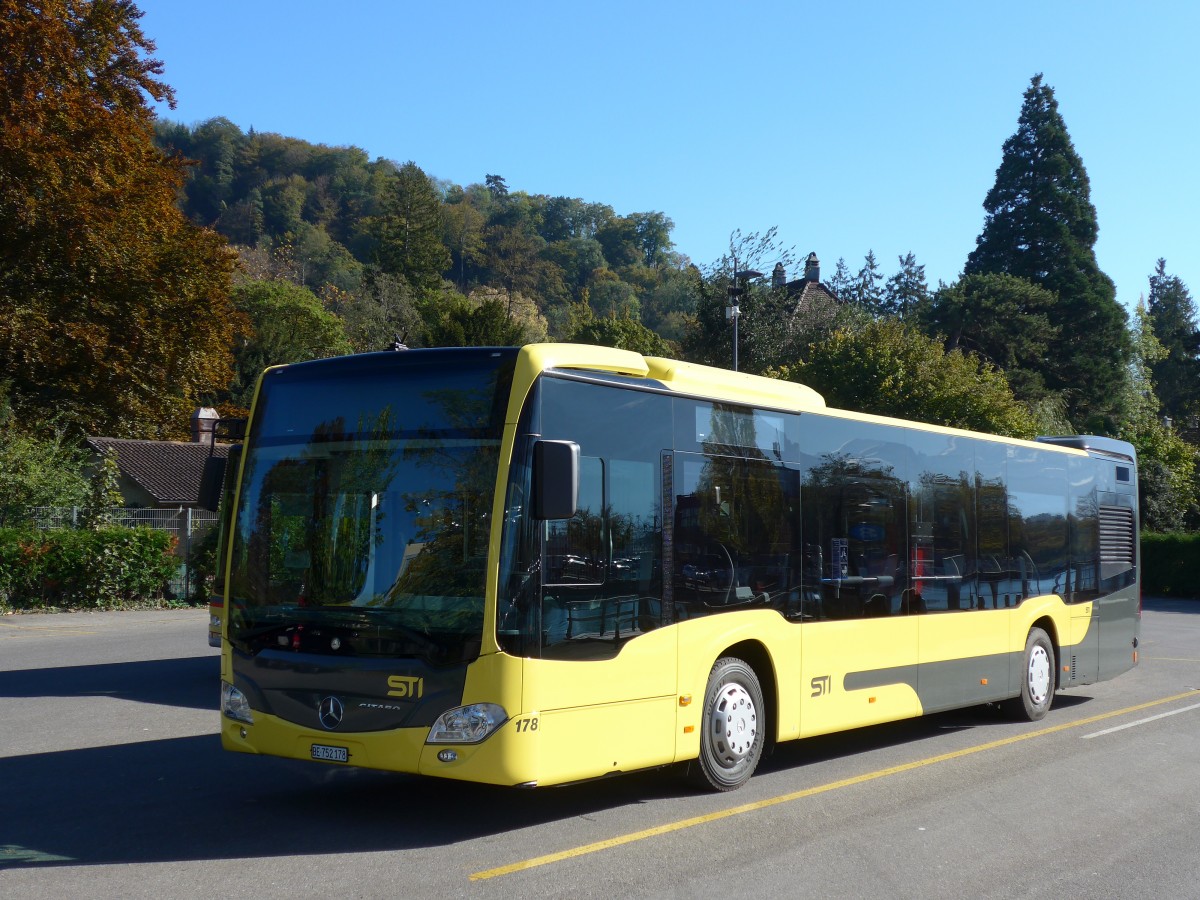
x,y
1037,679
731,737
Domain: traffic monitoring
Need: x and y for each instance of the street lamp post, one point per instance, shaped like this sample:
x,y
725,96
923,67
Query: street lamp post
x,y
734,311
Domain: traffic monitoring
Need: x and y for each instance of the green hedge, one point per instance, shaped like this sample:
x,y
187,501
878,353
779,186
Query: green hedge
x,y
1171,564
108,568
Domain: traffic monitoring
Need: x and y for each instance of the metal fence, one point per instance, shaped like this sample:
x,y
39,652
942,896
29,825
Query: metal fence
x,y
188,526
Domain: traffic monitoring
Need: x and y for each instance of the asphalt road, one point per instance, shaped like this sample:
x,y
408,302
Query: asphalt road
x,y
113,784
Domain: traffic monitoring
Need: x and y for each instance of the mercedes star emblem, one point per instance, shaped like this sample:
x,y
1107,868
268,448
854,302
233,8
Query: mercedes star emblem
x,y
330,712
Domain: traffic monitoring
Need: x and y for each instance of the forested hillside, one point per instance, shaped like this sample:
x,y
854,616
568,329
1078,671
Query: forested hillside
x,y
393,251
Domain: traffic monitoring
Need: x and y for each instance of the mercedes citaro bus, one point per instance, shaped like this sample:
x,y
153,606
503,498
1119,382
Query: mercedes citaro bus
x,y
531,566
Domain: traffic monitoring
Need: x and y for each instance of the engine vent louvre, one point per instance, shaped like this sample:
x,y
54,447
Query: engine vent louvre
x,y
1116,535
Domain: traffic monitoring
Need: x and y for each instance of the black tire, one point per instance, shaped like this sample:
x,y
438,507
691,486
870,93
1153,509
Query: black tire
x,y
732,727
1038,667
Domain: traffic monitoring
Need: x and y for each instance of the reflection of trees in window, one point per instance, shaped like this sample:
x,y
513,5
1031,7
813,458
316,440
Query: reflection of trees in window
x,y
1085,548
316,519
943,556
855,527
347,521
740,505
992,512
736,533
451,511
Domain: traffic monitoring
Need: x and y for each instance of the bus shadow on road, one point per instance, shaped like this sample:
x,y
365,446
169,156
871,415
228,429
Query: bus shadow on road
x,y
186,799
193,682
984,719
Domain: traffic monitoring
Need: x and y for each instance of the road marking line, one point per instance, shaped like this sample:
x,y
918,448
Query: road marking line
x,y
1173,712
682,824
27,631
1168,659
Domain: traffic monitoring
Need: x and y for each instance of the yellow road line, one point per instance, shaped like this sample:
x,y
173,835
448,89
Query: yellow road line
x,y
682,824
32,631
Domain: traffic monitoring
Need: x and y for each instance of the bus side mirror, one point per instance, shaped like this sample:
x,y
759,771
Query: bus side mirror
x,y
210,483
555,479
217,479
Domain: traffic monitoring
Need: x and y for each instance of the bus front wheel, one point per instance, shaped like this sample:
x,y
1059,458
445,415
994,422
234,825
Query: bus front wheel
x,y
731,737
1037,679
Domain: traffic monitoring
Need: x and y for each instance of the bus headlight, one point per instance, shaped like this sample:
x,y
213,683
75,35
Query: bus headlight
x,y
234,704
467,724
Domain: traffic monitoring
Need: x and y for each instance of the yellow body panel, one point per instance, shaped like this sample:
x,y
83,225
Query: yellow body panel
x,y
704,640
833,651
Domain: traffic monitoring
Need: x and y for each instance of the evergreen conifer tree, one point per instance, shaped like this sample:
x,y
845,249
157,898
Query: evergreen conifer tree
x,y
410,231
866,290
907,290
1041,226
1177,372
841,284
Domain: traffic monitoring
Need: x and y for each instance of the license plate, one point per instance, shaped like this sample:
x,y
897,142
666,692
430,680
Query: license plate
x,y
330,754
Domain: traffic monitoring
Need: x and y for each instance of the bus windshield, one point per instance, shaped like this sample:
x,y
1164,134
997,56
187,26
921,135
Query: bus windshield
x,y
363,520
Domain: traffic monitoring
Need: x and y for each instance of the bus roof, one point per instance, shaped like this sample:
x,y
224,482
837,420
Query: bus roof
x,y
711,383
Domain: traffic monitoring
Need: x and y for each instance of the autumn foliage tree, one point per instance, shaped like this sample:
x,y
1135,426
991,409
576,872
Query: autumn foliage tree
x,y
114,309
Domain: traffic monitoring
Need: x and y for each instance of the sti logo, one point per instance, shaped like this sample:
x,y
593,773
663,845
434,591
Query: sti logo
x,y
407,687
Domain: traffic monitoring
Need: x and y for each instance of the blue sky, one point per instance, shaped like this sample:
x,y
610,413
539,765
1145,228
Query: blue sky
x,y
852,126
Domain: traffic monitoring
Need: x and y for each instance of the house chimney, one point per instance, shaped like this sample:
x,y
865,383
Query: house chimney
x,y
812,268
204,420
778,276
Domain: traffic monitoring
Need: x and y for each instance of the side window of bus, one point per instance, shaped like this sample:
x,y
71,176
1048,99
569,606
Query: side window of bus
x,y
1083,577
1037,527
854,499
602,579
736,535
941,523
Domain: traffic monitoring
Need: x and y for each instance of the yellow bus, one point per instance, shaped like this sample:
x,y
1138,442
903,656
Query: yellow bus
x,y
533,566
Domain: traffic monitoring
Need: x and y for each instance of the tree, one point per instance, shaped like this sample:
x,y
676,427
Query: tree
x,y
514,257
865,288
620,240
464,324
1004,319
287,324
907,290
709,336
1041,225
577,259
668,304
114,309
841,284
36,470
610,296
1166,463
462,227
1173,318
378,311
104,491
409,231
890,368
564,218
623,332
497,187
653,231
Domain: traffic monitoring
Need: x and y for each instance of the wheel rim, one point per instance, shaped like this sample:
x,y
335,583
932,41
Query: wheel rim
x,y
734,725
1039,675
